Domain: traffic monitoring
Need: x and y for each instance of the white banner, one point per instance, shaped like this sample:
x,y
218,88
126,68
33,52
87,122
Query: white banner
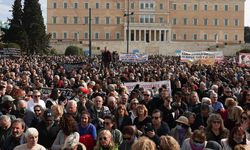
x,y
203,57
149,85
244,59
133,57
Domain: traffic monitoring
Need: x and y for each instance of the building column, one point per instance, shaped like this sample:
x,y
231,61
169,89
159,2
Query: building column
x,y
150,36
134,34
166,35
145,35
155,35
159,35
139,35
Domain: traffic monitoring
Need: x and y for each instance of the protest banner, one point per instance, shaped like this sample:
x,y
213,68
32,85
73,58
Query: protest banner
x,y
149,85
244,59
46,91
10,52
133,57
202,57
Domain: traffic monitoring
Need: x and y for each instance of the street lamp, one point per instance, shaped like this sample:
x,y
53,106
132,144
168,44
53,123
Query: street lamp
x,y
127,14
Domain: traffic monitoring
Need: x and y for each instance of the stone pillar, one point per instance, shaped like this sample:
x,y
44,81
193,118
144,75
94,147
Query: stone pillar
x,y
150,36
140,35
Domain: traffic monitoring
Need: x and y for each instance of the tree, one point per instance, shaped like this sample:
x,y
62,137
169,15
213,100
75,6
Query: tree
x,y
247,34
16,32
34,25
73,50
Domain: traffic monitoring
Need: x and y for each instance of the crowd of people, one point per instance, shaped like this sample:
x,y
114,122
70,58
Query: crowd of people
x,y
206,107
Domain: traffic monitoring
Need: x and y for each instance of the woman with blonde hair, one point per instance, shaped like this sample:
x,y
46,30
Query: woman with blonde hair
x,y
144,143
142,117
215,128
105,141
234,117
169,143
57,112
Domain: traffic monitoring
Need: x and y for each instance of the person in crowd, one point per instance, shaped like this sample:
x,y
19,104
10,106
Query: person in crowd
x,y
84,103
58,112
227,92
229,104
24,113
35,101
17,135
72,143
217,106
168,112
53,98
194,104
68,126
182,130
160,127
105,141
133,109
71,108
233,117
237,136
178,105
124,99
7,106
129,137
148,101
110,124
38,116
122,117
47,129
191,118
215,129
5,129
87,131
98,111
142,117
201,118
112,104
168,143
144,143
31,136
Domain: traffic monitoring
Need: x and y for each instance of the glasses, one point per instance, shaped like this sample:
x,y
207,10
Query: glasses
x,y
218,122
156,118
102,138
106,123
146,95
37,110
244,117
37,95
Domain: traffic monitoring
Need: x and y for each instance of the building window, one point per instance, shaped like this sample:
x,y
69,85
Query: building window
x,y
205,22
54,5
107,5
174,37
132,5
174,21
225,22
225,37
142,6
185,36
195,7
96,5
185,6
54,19
86,35
118,20
96,35
75,5
75,20
236,7
185,21
215,7
132,19
205,37
107,19
107,36
236,37
161,6
195,21
226,7
96,20
65,5
205,7
117,36
86,5
216,22
65,19
161,20
216,37
53,35
236,22
65,35
86,20
174,6
118,5
75,36
195,36
151,6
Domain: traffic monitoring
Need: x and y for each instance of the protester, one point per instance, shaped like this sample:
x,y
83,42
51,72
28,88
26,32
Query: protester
x,y
105,141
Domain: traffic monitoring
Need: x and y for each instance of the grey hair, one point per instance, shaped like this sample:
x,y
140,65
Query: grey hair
x,y
5,118
31,132
72,102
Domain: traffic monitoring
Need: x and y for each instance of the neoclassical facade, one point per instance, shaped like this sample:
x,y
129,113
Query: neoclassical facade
x,y
150,21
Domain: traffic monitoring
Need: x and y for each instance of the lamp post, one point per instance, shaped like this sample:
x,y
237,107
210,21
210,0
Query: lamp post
x,y
127,14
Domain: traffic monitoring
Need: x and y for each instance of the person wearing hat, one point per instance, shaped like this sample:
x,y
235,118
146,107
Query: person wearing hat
x,y
7,106
47,129
84,103
182,129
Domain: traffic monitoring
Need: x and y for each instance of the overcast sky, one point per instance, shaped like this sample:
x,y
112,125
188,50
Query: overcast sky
x,y
6,5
